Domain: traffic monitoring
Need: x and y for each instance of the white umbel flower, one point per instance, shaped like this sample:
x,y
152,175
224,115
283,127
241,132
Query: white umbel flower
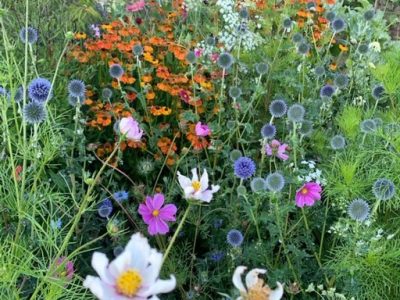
x,y
255,288
197,189
133,275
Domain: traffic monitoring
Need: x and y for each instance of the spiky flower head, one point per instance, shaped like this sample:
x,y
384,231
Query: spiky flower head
x,y
244,167
235,155
296,113
378,91
306,127
330,16
275,182
303,48
341,80
319,71
106,93
278,108
210,41
137,50
32,35
235,92
116,71
225,60
4,93
363,48
358,210
327,91
19,94
297,38
145,167
384,189
191,57
268,131
368,126
262,68
287,23
106,208
338,25
338,142
76,88
74,101
34,112
234,238
39,90
369,15
257,184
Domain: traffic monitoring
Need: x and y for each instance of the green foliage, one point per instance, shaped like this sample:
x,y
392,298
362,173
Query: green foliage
x,y
349,120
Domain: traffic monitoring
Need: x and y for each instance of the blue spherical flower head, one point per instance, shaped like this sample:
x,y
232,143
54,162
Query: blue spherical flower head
x,y
225,60
303,48
368,126
338,25
34,112
384,189
378,91
19,95
234,238
369,15
40,90
338,142
341,80
76,88
319,71
297,38
358,210
363,48
74,101
262,68
257,184
268,131
217,256
287,23
106,93
4,93
32,35
278,108
306,127
330,16
191,57
296,113
275,182
121,196
105,209
137,50
327,91
235,92
244,167
116,71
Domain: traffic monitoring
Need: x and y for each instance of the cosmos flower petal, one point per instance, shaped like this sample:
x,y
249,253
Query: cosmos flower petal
x,y
252,277
237,279
158,201
205,196
215,188
194,174
168,212
161,287
277,293
100,289
204,181
100,264
184,181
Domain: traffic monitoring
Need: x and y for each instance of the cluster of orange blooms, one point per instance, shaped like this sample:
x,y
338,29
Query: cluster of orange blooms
x,y
166,88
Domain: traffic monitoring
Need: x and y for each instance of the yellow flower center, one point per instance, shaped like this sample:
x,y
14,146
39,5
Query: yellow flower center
x,y
259,291
196,185
304,191
128,283
155,213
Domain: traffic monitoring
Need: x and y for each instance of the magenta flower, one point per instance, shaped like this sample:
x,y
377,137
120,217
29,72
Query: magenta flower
x,y
308,194
69,270
275,148
198,52
155,215
137,6
202,129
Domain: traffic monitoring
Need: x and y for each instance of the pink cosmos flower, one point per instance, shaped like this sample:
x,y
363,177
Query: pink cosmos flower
x,y
202,129
69,270
130,127
275,148
137,6
198,52
155,215
308,194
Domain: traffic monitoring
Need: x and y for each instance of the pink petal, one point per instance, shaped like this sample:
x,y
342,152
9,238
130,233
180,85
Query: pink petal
x,y
149,203
158,201
158,226
268,150
300,200
282,156
314,195
167,213
309,201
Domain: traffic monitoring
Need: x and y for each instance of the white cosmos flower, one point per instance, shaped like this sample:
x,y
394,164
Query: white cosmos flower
x,y
197,189
133,275
255,288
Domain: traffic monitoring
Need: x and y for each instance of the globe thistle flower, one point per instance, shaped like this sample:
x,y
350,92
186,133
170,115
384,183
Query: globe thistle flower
x,y
296,113
235,92
217,256
137,50
4,93
32,35
40,90
319,71
306,127
268,131
121,196
19,94
76,88
303,48
225,60
378,122
368,126
297,38
278,108
257,184
244,167
116,71
287,23
327,91
210,41
191,57
34,112
234,238
330,16
358,210
275,182
341,80
338,142
338,25
378,91
145,166
106,93
391,129
384,189
105,209
262,68
369,15
235,154
363,48
73,101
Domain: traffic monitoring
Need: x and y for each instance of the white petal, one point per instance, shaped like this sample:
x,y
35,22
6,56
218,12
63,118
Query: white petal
x,y
237,279
151,273
100,265
188,191
139,250
204,181
100,289
214,188
159,287
120,263
252,277
205,196
195,176
184,181
154,298
277,293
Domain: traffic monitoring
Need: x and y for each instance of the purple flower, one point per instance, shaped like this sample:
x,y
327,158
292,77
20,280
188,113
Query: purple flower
x,y
244,167
308,194
202,129
275,148
155,215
